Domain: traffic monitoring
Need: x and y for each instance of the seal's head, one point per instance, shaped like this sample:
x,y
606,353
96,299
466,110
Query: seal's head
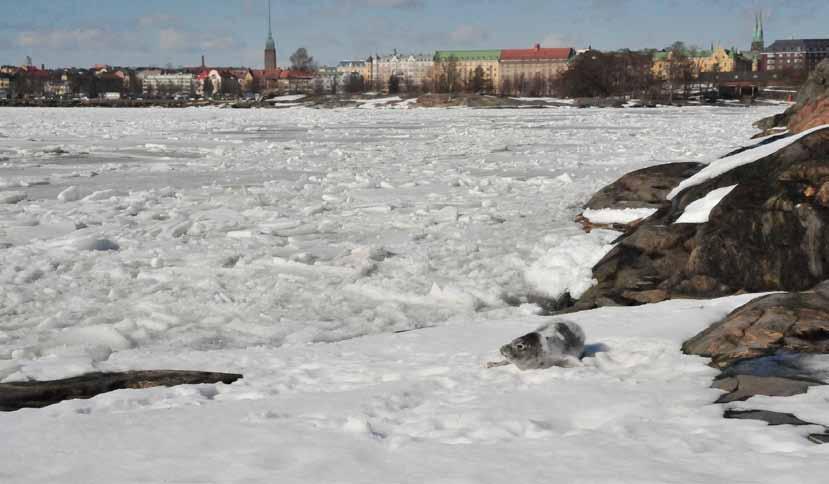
x,y
525,352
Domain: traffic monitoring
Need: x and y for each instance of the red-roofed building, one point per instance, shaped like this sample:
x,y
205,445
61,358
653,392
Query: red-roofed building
x,y
258,80
31,81
296,82
535,63
223,83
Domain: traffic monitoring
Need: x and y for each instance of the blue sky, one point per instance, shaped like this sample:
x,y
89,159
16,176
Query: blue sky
x,y
233,32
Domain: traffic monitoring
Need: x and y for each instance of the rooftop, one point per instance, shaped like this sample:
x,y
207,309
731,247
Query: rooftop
x,y
798,45
468,55
538,52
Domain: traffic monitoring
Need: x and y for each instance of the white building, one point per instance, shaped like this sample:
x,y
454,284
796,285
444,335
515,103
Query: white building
x,y
159,84
412,70
327,80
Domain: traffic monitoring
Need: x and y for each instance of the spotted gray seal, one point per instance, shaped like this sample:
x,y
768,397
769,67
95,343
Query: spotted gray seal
x,y
559,343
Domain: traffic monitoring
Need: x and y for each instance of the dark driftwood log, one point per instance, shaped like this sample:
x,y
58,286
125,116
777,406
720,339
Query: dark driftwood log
x,y
38,394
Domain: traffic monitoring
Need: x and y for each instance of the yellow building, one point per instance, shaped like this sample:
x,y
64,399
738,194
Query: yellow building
x,y
715,60
361,68
468,61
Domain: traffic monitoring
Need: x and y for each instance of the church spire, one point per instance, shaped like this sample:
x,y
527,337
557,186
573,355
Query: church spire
x,y
758,41
762,29
270,45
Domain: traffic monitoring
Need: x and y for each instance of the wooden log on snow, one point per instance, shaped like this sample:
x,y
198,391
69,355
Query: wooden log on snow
x,y
38,394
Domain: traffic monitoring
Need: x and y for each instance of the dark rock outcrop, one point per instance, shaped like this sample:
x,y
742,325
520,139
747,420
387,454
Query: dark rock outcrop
x,y
819,438
771,233
743,387
811,108
37,394
645,188
777,418
796,322
772,418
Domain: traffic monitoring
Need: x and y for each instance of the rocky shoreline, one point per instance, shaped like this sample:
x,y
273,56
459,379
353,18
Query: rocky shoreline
x,y
755,221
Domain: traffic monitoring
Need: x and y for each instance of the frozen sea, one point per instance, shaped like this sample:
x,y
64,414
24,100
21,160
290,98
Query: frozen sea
x,y
301,248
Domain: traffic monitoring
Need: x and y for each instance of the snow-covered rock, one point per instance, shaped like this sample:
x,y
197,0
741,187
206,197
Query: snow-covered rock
x,y
70,194
12,197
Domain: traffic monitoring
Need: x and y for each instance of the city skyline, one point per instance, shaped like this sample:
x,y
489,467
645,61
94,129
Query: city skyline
x,y
154,32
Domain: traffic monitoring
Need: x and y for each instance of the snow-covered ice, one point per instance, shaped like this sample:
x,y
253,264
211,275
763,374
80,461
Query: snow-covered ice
x,y
301,248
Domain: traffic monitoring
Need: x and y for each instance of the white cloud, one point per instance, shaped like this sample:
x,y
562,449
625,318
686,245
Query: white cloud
x,y
83,38
172,39
391,3
558,40
180,40
468,34
156,21
220,43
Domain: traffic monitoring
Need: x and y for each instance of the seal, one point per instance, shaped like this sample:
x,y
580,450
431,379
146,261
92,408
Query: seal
x,y
558,343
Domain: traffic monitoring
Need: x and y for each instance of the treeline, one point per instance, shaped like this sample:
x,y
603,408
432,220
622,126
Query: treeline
x,y
611,74
25,83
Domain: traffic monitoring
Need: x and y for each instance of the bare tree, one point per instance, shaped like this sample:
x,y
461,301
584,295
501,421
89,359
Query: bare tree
x,y
679,71
598,74
478,80
449,79
208,88
301,61
394,84
506,86
354,83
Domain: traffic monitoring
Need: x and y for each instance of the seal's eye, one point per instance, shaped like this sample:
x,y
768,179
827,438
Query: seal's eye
x,y
520,346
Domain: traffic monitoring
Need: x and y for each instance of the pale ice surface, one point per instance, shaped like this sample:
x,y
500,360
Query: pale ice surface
x,y
289,98
382,102
556,100
617,215
698,211
719,166
294,246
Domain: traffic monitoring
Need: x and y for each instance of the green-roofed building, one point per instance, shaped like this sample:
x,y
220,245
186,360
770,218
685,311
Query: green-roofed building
x,y
467,61
468,55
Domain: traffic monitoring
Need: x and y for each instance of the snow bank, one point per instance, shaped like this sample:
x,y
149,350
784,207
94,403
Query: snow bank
x,y
618,216
568,267
419,407
724,165
698,211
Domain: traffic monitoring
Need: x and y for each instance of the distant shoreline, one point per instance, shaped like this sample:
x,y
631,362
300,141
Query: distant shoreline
x,y
424,101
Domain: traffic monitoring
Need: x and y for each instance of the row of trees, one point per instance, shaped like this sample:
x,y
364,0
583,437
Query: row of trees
x,y
28,84
626,73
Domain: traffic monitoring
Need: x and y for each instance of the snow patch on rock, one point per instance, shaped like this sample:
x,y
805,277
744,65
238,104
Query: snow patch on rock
x,y
698,211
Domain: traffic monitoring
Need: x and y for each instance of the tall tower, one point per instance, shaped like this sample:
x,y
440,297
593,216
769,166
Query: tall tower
x,y
270,45
758,43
